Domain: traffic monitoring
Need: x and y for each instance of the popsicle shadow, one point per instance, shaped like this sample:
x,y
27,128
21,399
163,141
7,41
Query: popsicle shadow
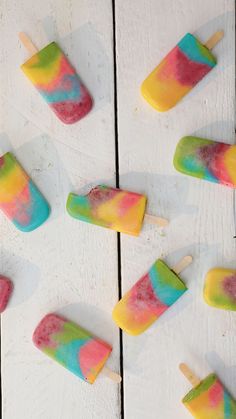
x,y
88,55
216,131
226,374
169,193
40,159
24,274
223,51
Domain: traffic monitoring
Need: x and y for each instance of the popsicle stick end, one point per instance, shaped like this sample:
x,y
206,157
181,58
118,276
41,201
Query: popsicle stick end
x,y
28,44
112,375
214,39
182,264
153,219
188,373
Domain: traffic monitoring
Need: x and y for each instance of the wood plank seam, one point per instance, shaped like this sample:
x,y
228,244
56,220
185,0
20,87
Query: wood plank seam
x,y
116,134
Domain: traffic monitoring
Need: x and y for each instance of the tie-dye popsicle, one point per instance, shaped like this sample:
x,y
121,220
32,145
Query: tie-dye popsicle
x,y
71,346
220,288
108,207
185,65
20,199
206,159
57,81
210,400
6,288
148,299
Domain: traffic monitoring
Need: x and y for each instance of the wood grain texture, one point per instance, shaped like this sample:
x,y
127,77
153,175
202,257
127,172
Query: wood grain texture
x,y
71,266
65,265
200,213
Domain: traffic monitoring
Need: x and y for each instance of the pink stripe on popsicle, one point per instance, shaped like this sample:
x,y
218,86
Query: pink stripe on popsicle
x,y
216,393
42,336
90,356
128,201
6,288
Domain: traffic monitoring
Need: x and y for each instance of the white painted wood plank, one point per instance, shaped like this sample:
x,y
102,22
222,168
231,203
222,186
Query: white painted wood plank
x,y
202,219
64,265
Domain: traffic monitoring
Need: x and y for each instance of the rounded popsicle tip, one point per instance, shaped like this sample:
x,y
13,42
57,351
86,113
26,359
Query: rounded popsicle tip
x,y
6,288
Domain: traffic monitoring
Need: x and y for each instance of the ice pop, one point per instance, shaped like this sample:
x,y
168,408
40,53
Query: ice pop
x,y
150,297
6,288
57,81
220,288
72,347
185,65
206,159
113,208
20,199
208,399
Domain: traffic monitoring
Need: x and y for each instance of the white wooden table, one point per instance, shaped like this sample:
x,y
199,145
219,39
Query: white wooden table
x,y
72,267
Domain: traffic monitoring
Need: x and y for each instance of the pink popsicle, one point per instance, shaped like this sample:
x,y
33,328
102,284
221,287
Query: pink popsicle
x,y
6,288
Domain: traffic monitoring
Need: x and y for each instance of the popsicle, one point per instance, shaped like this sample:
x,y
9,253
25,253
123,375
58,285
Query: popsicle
x,y
185,65
150,297
57,81
6,288
220,288
113,208
73,347
206,159
208,399
20,199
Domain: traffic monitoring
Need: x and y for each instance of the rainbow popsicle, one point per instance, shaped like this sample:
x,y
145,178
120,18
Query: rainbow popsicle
x,y
148,299
220,288
6,288
71,346
185,65
20,199
57,81
210,400
113,208
206,159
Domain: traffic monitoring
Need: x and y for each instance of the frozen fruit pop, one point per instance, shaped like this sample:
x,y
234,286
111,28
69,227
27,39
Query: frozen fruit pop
x,y
20,199
6,288
72,347
206,159
113,208
57,81
220,288
208,399
150,297
185,65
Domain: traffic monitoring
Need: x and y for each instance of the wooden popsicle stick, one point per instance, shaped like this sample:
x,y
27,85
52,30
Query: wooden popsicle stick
x,y
182,264
214,39
153,219
112,375
191,377
28,44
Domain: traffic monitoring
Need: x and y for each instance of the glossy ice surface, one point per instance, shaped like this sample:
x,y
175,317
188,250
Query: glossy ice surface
x,y
220,288
71,346
117,209
20,199
6,288
57,81
184,66
206,159
210,400
148,299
